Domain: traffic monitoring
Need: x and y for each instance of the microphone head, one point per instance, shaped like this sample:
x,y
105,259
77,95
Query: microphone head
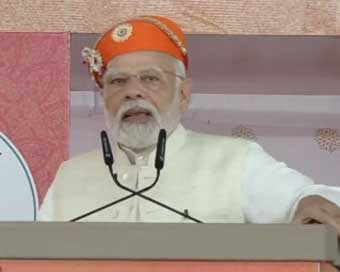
x,y
160,153
106,147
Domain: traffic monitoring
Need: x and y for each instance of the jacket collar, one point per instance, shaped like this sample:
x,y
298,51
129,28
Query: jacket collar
x,y
174,143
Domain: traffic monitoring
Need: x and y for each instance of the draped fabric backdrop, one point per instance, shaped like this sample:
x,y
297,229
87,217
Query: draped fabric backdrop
x,y
34,99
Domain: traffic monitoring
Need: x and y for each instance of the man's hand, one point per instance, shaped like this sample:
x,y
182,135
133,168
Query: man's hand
x,y
316,209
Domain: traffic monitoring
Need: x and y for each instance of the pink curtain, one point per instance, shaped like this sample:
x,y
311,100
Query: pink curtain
x,y
34,99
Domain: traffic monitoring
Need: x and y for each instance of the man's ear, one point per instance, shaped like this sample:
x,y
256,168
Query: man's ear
x,y
186,91
99,87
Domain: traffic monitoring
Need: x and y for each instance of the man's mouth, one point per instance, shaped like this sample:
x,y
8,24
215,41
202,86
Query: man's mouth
x,y
137,116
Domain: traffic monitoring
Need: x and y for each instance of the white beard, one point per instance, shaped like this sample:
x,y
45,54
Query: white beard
x,y
140,136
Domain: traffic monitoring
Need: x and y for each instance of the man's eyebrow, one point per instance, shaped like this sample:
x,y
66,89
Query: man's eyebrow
x,y
111,73
114,72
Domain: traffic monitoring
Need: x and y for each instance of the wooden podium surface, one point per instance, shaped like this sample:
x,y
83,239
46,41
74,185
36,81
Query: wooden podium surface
x,y
165,247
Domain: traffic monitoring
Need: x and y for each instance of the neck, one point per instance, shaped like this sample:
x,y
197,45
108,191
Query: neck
x,y
138,151
137,156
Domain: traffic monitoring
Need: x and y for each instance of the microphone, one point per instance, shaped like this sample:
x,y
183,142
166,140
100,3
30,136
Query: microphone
x,y
107,152
159,164
160,153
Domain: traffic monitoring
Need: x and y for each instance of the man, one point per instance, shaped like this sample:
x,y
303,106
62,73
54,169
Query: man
x,y
140,66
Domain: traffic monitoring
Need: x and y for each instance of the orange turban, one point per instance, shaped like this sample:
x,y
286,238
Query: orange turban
x,y
147,33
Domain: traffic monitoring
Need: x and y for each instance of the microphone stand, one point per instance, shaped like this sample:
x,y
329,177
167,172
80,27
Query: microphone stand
x,y
159,162
139,193
134,193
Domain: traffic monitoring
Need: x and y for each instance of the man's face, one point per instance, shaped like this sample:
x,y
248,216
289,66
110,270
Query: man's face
x,y
143,93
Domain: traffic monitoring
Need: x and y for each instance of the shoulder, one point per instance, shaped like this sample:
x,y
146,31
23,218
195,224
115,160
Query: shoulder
x,y
82,164
218,148
91,157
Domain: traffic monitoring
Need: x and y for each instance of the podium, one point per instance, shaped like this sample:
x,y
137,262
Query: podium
x,y
165,247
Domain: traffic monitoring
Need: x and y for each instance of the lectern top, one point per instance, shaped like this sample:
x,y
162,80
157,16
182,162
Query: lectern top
x,y
168,241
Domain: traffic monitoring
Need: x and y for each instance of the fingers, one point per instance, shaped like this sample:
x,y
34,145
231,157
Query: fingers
x,y
335,222
321,216
303,220
331,217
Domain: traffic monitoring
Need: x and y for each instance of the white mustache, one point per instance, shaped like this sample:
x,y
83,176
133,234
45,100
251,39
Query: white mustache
x,y
138,105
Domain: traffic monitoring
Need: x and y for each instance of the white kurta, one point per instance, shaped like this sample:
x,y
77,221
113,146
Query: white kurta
x,y
216,178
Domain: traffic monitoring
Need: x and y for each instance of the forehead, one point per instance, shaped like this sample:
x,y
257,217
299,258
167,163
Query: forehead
x,y
141,59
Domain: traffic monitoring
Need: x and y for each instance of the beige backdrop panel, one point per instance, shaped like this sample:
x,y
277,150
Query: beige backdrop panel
x,y
311,17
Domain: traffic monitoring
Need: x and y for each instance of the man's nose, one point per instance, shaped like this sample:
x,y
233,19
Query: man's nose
x,y
134,89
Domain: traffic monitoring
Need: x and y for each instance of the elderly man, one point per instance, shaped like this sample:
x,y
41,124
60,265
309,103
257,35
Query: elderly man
x,y
140,66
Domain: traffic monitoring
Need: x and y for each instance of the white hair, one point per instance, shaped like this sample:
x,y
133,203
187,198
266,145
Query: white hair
x,y
179,70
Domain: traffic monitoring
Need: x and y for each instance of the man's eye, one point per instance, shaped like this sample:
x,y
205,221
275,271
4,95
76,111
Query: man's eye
x,y
118,81
149,78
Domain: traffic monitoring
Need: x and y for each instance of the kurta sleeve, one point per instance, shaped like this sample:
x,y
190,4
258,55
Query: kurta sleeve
x,y
272,190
